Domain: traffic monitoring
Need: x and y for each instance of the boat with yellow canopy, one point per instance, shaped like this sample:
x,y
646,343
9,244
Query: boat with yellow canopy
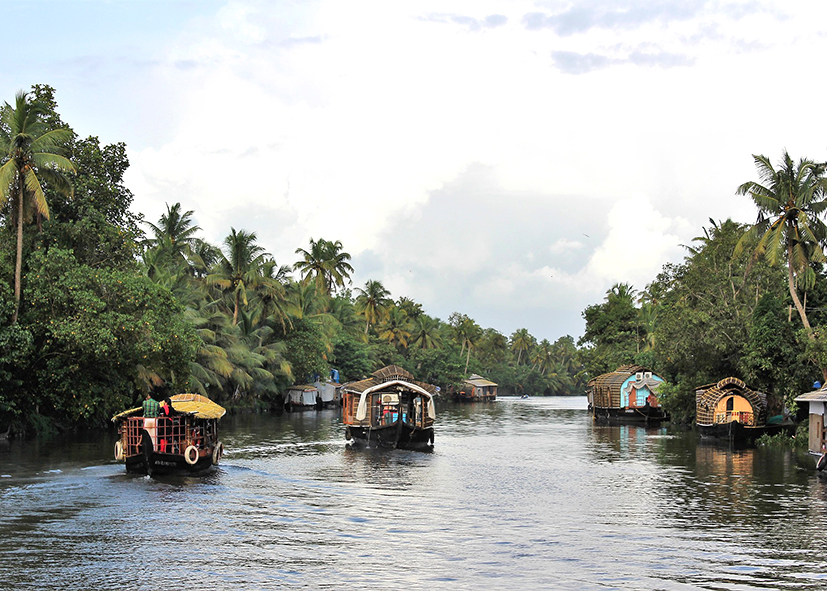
x,y
184,440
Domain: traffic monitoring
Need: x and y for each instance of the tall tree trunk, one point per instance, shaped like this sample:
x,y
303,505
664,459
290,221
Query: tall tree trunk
x,y
797,302
18,265
467,359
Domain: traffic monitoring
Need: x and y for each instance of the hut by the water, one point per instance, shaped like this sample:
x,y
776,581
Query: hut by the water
x,y
477,389
817,441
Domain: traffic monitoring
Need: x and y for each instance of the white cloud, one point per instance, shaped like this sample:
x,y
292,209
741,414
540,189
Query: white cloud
x,y
639,241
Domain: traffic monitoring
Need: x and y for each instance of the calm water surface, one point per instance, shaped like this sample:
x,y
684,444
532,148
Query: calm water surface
x,y
520,494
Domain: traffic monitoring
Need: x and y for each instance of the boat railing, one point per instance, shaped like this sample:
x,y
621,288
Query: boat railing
x,y
168,434
743,417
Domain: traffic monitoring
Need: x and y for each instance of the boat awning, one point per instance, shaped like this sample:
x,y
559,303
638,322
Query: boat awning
x,y
192,404
362,409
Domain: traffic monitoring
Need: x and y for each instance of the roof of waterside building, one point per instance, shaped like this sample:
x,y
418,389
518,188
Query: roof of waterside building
x,y
388,373
303,387
479,381
708,396
819,395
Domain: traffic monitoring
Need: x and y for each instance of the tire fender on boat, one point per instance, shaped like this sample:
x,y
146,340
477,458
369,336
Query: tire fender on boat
x,y
822,462
217,452
118,450
347,432
191,455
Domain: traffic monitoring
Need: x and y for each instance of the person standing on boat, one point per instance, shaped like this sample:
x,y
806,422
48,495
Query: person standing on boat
x,y
151,411
151,407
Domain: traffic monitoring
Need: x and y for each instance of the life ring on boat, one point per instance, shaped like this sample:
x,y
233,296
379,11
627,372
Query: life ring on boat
x,y
217,452
822,462
191,455
118,451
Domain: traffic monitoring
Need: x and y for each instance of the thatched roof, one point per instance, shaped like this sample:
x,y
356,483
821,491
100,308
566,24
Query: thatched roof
x,y
479,381
387,374
707,398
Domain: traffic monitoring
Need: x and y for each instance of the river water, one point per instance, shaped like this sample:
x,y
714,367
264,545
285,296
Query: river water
x,y
519,494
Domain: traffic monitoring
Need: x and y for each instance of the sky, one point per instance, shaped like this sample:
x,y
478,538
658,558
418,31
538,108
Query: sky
x,y
509,160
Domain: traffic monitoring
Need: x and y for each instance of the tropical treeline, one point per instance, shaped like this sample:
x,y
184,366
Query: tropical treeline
x,y
749,300
99,306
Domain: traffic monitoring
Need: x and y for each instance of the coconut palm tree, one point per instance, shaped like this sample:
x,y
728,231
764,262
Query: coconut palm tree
x,y
395,328
175,231
324,263
30,152
790,202
521,342
425,334
372,302
239,268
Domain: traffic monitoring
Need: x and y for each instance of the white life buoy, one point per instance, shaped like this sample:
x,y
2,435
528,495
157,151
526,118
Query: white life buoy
x,y
191,455
118,450
217,452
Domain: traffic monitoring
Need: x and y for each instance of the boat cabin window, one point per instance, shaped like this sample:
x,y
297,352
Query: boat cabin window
x,y
730,404
647,374
639,376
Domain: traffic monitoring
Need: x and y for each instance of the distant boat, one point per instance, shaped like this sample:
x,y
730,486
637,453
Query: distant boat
x,y
628,394
731,411
390,409
302,397
477,389
187,441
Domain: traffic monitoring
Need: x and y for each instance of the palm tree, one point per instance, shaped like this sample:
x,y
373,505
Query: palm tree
x,y
324,263
31,152
521,341
790,201
239,268
372,302
396,328
425,334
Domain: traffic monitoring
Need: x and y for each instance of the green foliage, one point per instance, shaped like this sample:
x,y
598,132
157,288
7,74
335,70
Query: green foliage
x,y
95,331
613,333
306,351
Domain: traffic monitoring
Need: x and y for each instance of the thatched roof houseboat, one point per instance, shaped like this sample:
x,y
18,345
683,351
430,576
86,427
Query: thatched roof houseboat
x,y
477,389
389,409
628,394
730,410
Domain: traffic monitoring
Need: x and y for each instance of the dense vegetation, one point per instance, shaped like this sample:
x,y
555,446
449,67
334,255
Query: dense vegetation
x,y
98,305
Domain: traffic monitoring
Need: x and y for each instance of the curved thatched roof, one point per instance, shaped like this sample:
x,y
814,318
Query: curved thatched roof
x,y
388,373
707,398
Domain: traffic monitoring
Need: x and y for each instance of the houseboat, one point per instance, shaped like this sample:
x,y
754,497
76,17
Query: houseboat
x,y
185,441
389,409
628,394
817,440
302,397
330,393
477,389
729,410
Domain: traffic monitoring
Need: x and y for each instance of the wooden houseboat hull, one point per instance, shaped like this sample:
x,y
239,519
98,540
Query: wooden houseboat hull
x,y
398,436
737,432
641,415
159,463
